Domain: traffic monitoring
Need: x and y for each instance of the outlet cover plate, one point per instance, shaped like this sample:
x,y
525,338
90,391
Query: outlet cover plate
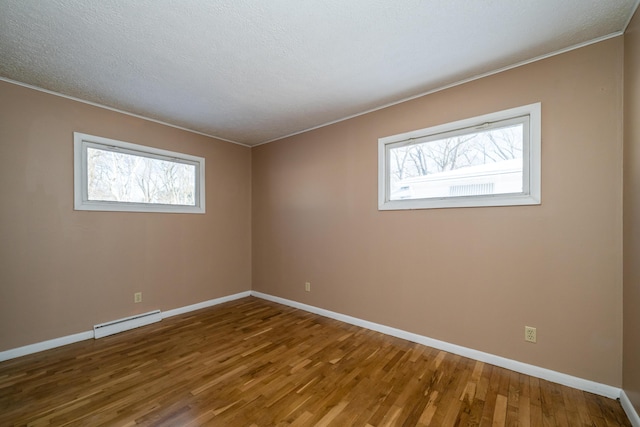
x,y
530,334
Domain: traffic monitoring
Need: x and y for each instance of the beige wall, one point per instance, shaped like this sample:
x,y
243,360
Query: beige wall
x,y
631,359
305,209
62,271
476,276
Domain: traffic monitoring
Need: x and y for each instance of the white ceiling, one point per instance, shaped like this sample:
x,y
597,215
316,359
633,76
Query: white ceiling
x,y
254,71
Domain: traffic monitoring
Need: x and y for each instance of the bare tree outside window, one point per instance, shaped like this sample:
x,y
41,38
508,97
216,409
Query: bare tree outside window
x,y
118,176
488,160
482,154
456,152
123,177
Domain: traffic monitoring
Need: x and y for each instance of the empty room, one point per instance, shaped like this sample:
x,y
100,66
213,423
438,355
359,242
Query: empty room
x,y
296,213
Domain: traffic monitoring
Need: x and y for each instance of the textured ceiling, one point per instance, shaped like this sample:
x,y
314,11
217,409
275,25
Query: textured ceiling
x,y
254,71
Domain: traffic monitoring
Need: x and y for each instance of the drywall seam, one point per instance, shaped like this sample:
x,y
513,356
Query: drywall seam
x,y
514,365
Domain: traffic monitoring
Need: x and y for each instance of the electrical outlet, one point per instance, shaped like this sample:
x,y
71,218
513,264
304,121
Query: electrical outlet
x,y
529,334
307,286
137,297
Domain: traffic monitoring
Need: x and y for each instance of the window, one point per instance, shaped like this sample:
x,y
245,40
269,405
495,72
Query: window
x,y
491,160
113,175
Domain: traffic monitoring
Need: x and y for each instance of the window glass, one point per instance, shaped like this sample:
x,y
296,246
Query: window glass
x,y
491,160
120,176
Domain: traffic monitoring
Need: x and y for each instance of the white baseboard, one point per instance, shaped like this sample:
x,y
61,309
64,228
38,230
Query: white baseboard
x,y
204,304
629,409
547,374
70,339
44,345
524,368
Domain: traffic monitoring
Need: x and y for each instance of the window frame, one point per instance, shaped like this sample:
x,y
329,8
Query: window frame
x,y
82,141
531,173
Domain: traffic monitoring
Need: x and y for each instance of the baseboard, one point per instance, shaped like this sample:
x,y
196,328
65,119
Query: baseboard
x,y
629,409
524,368
204,304
547,374
70,339
44,345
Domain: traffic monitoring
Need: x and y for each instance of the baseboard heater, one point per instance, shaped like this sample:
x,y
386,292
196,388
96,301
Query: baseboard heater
x,y
120,325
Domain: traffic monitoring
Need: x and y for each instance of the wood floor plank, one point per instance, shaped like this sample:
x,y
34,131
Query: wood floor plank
x,y
500,411
252,362
524,402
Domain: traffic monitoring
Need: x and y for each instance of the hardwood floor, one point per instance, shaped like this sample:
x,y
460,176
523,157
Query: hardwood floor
x,y
255,363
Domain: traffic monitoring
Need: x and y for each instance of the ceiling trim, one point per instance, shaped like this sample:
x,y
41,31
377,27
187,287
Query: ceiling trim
x,y
458,83
438,89
94,104
635,9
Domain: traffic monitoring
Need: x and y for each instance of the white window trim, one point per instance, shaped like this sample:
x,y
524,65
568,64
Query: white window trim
x,y
81,200
532,164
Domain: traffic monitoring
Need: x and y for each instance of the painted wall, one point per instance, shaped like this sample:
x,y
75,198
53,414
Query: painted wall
x,y
62,271
473,277
631,360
